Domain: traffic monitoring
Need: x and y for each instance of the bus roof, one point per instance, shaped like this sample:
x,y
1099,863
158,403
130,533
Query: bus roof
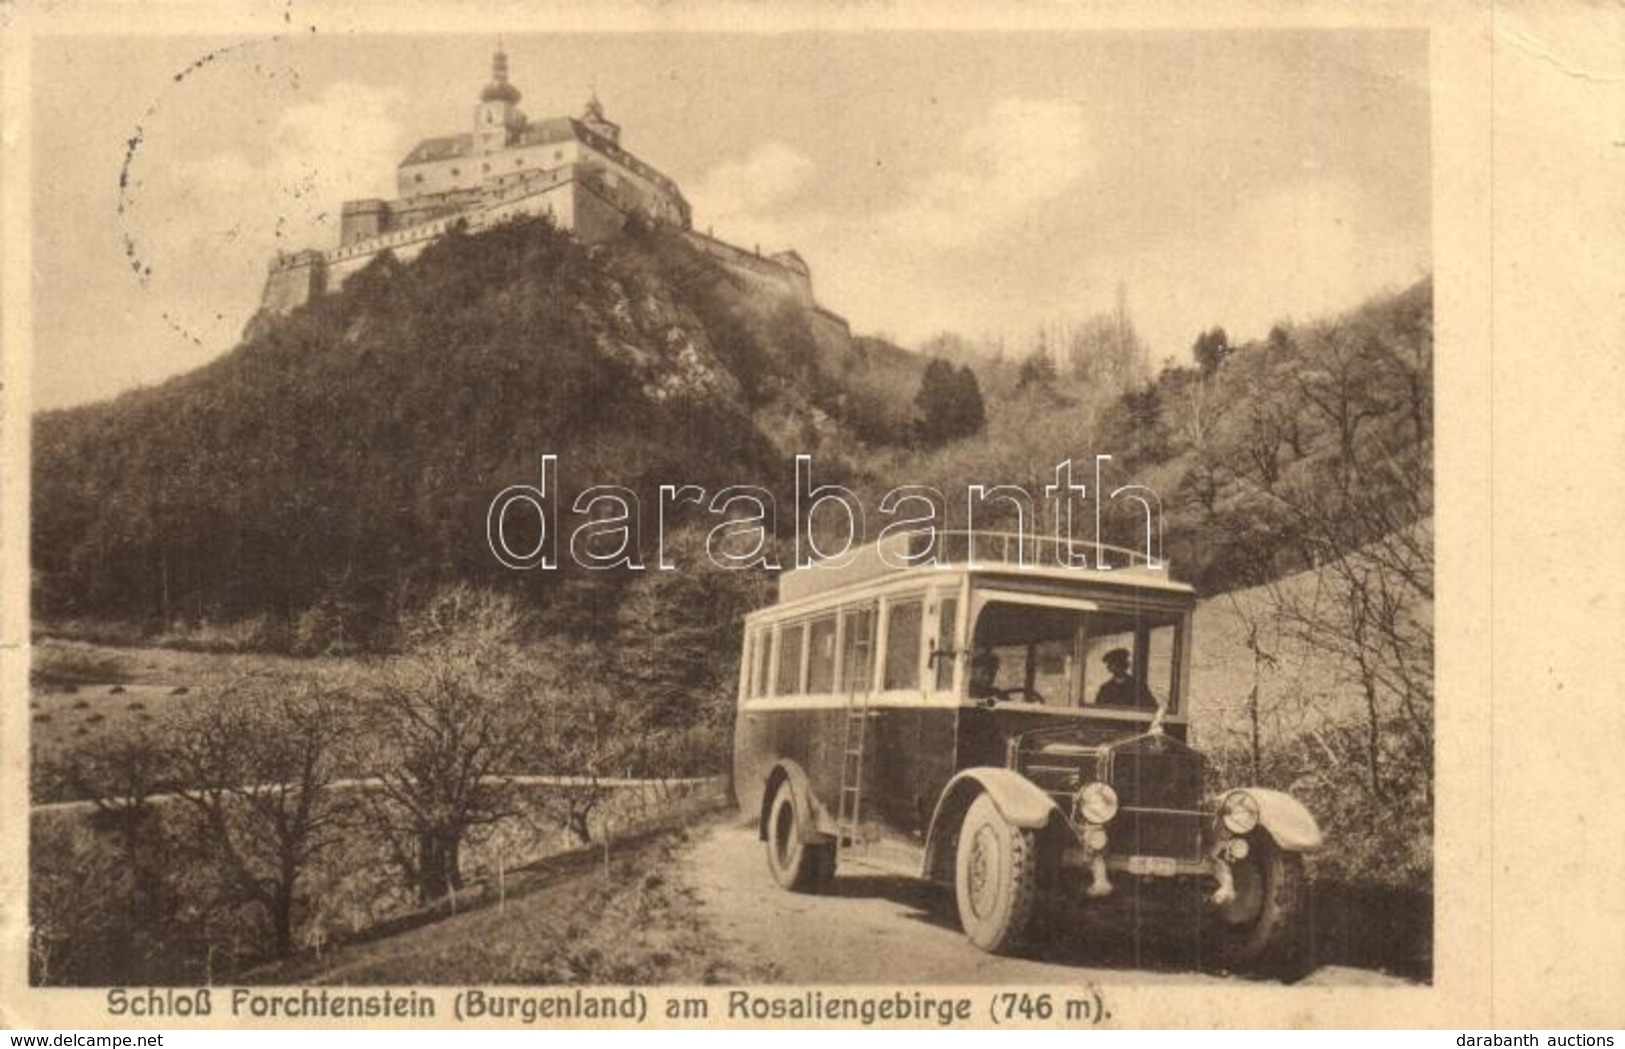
x,y
1002,552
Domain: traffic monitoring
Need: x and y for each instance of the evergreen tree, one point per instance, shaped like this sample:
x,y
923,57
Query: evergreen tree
x,y
949,403
1210,350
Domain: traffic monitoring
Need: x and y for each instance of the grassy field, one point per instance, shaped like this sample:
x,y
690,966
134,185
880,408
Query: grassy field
x,y
83,693
1222,672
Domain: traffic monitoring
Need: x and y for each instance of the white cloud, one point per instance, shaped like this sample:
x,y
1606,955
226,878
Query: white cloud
x,y
210,223
884,268
340,146
1023,155
772,175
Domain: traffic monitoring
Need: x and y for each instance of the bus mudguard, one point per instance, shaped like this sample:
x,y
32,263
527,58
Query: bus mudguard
x,y
1286,820
801,787
1017,798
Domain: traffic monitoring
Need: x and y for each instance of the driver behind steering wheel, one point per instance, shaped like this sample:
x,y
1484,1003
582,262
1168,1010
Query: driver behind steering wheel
x,y
984,671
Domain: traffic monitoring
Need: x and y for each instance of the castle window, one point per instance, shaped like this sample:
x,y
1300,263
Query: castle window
x,y
558,154
418,177
455,172
485,167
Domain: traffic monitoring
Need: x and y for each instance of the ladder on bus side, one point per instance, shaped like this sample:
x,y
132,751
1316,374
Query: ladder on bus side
x,y
849,808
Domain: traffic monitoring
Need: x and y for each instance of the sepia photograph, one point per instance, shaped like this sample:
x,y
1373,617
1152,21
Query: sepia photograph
x,y
558,512
473,494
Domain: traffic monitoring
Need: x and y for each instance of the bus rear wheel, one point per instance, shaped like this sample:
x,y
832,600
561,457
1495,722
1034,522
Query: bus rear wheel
x,y
995,877
796,865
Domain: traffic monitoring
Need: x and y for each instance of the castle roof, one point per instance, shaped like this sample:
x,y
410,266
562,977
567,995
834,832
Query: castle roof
x,y
793,259
443,147
553,129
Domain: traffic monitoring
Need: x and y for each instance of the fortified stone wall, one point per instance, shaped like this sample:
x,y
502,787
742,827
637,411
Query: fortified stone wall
x,y
756,270
579,197
293,280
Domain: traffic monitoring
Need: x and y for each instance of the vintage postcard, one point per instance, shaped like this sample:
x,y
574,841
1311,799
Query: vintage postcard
x,y
788,515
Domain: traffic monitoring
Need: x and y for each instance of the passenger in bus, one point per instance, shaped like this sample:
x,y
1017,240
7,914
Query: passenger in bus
x,y
1121,690
984,670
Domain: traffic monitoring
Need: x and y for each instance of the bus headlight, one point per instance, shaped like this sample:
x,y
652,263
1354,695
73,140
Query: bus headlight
x,y
1098,802
1239,812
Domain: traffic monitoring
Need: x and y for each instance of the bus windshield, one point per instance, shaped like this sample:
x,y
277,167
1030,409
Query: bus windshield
x,y
1062,657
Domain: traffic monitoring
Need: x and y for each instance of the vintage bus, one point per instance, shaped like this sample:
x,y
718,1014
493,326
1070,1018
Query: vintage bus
x,y
1006,726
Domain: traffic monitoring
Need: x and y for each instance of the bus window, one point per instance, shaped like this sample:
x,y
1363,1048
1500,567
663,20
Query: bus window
x,y
764,661
1129,661
947,614
903,622
821,655
1052,671
1162,665
788,682
1027,653
857,649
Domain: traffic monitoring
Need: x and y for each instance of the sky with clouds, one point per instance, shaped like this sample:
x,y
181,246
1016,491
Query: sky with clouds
x,y
980,182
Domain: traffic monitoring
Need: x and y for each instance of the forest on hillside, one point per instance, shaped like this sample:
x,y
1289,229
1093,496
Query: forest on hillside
x,y
336,468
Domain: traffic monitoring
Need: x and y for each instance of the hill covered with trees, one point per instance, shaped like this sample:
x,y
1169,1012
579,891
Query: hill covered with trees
x,y
340,462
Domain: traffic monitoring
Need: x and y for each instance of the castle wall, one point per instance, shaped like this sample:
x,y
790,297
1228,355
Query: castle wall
x,y
342,270
438,176
639,187
471,172
344,262
404,214
293,281
360,219
596,218
545,196
759,272
830,329
555,194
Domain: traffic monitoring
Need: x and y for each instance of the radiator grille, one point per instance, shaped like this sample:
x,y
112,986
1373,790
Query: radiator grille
x,y
1162,777
1177,835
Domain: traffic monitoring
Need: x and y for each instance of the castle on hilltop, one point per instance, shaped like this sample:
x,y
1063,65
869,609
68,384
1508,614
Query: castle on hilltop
x,y
571,168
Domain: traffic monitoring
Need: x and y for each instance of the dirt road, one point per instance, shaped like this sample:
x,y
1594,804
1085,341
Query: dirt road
x,y
880,929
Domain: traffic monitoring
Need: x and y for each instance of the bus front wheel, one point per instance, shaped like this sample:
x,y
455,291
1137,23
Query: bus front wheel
x,y
995,877
796,865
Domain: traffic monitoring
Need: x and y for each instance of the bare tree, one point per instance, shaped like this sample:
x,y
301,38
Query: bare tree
x,y
257,767
1337,379
1264,661
120,777
78,913
1370,604
587,737
1357,512
449,725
